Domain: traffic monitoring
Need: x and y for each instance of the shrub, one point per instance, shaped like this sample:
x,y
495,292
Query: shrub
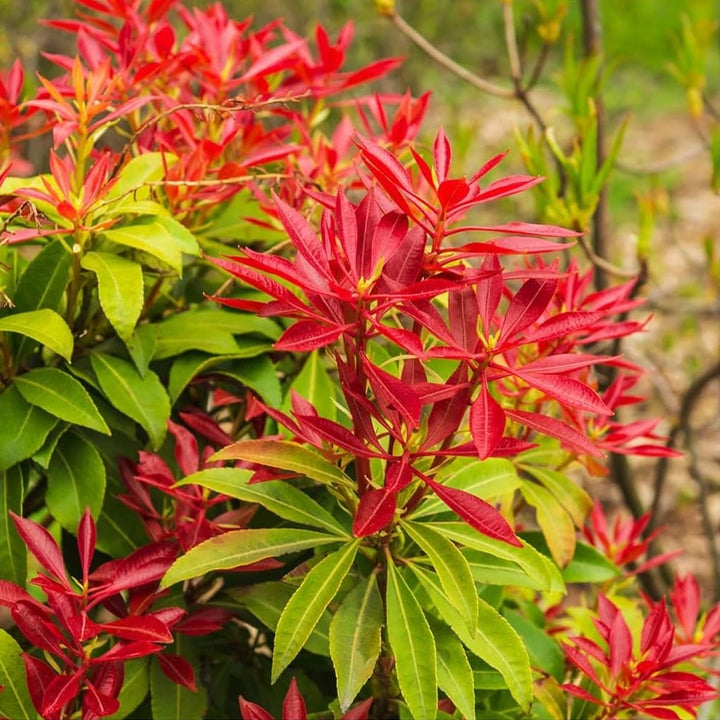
x,y
339,457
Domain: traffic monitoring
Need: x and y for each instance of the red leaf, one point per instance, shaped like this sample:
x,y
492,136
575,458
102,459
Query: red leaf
x,y
272,60
203,621
446,414
527,305
565,362
566,390
144,627
61,691
392,394
43,546
375,510
10,593
487,422
186,448
178,669
478,513
442,154
39,675
202,423
35,626
308,335
619,645
128,651
361,711
568,436
96,703
562,325
334,433
251,711
86,538
293,707
398,475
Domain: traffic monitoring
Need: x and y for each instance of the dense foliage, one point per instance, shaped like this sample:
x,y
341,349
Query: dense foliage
x,y
277,411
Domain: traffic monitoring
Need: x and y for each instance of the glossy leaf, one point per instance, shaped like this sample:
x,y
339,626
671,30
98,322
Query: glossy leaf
x,y
451,567
355,639
43,547
375,510
285,456
141,398
556,524
242,547
413,646
178,669
15,700
120,289
13,553
171,701
278,496
495,641
487,423
76,480
151,238
45,327
308,603
61,395
43,283
455,676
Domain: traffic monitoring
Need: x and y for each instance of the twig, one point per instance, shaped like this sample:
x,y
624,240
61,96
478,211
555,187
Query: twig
x,y
606,265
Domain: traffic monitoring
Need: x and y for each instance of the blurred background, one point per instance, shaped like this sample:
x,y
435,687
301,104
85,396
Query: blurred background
x,y
661,198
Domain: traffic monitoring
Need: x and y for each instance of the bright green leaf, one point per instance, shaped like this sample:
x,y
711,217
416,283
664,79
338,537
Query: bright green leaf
x,y
183,238
45,327
278,496
13,552
120,289
455,676
148,167
413,646
568,493
142,398
61,395
151,238
355,639
242,547
23,428
15,700
452,569
285,455
141,347
76,480
307,604
258,374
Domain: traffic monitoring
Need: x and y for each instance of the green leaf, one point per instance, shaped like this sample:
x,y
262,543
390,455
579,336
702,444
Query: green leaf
x,y
184,239
451,567
142,398
76,480
266,601
15,700
495,640
556,524
285,455
191,364
151,238
413,646
314,384
568,493
43,283
61,395
490,570
355,639
120,289
307,604
118,531
141,346
485,479
130,185
44,454
45,327
258,374
544,652
136,684
278,496
455,676
242,547
23,429
532,562
171,701
13,552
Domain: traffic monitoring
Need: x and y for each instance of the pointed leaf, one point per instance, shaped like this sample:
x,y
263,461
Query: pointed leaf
x,y
13,553
569,494
313,383
242,547
141,398
308,335
151,238
375,510
178,669
171,701
293,707
413,646
355,639
278,496
527,305
14,698
135,687
285,455
120,289
451,567
43,546
566,390
44,280
487,423
61,395
308,603
45,327
455,676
